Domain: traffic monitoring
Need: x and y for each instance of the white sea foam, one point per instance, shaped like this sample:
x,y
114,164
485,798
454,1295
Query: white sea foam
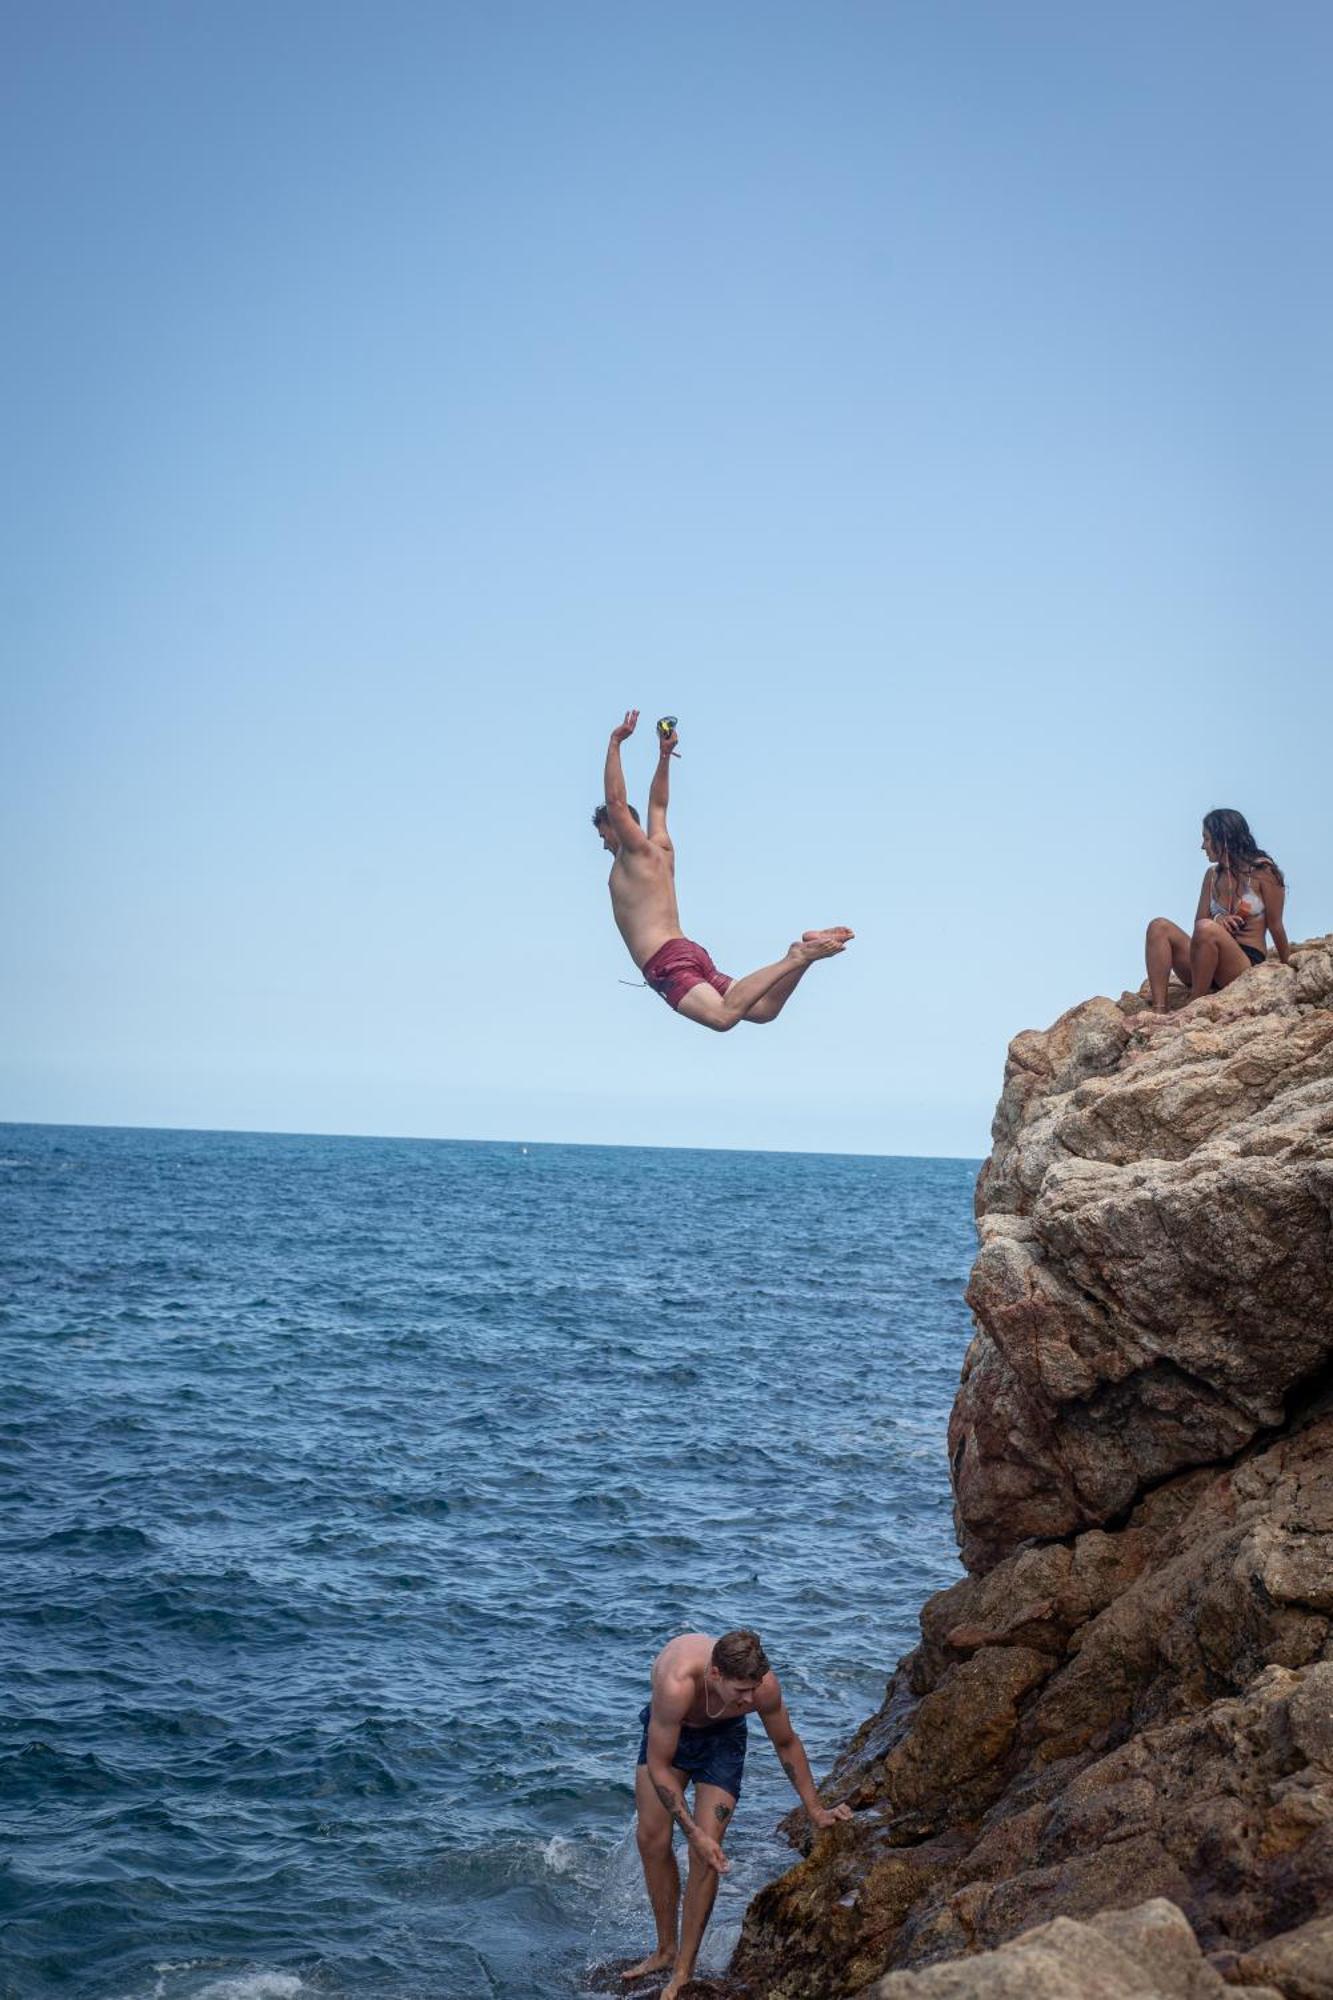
x,y
164,1969
253,1986
622,1906
559,1854
173,1982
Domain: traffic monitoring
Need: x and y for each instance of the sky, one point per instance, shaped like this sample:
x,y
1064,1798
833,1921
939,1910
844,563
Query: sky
x,y
927,401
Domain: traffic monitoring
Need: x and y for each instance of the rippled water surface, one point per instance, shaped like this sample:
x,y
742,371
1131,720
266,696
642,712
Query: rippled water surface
x,y
349,1487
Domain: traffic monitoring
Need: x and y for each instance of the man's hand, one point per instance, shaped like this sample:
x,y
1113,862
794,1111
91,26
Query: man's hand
x,y
711,1852
667,744
627,727
821,1816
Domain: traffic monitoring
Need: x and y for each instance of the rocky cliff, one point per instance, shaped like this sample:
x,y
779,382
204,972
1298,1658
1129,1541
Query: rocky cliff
x,y
1108,1766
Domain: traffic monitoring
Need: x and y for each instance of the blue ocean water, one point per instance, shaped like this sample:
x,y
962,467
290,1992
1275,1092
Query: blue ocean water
x,y
349,1488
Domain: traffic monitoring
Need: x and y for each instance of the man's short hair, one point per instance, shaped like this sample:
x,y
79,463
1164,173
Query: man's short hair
x,y
603,814
740,1655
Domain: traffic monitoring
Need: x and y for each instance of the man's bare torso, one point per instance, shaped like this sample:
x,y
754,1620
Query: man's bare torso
x,y
687,1659
643,899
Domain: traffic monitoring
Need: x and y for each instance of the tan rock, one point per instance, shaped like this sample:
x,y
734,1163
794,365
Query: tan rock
x,y
1147,1953
1156,1270
1299,1963
1131,1695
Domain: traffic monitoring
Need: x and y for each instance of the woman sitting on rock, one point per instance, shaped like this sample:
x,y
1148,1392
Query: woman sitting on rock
x,y
1241,899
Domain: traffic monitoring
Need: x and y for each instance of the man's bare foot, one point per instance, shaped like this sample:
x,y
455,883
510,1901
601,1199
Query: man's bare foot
x,y
657,1961
819,944
676,1984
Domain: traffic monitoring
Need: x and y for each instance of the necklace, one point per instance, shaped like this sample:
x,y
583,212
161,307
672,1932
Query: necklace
x,y
707,1710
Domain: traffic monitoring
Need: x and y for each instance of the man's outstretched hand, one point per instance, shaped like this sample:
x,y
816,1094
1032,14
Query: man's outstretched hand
x,y
627,727
668,744
829,1815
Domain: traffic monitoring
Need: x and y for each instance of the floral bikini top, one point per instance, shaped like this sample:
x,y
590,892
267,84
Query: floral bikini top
x,y
1251,904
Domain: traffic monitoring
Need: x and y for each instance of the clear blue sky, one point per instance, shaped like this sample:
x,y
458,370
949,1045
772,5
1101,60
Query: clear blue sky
x,y
928,402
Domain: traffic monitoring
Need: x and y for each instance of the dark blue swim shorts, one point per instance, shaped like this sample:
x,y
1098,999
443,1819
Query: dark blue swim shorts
x,y
711,1755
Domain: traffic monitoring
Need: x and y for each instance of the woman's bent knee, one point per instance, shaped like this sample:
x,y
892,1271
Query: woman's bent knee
x,y
1208,931
1160,927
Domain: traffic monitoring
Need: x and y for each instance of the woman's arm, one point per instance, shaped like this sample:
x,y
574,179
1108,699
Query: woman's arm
x,y
1205,895
1275,897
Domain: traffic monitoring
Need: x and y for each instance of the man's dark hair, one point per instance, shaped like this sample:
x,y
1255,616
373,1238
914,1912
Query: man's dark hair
x,y
603,814
740,1655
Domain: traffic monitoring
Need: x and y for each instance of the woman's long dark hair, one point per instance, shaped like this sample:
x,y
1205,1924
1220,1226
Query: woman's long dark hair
x,y
1237,850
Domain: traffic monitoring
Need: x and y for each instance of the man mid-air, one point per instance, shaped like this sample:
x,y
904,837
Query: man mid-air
x,y
643,900
694,1734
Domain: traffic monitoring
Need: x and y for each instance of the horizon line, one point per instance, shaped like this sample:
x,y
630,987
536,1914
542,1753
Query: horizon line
x,y
439,1139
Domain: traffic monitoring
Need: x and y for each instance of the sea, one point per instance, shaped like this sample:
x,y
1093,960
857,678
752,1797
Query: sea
x,y
350,1487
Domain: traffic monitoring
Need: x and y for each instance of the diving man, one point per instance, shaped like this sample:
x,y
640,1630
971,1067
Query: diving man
x,y
643,901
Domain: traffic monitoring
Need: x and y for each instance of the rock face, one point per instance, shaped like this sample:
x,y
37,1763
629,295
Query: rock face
x,y
1131,1695
1156,1269
1123,1955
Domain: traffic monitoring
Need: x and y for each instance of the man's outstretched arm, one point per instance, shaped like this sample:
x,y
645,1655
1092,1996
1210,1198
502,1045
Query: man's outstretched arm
x,y
661,789
628,831
791,1755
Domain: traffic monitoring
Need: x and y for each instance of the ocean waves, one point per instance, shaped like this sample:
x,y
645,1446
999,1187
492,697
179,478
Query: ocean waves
x,y
349,1488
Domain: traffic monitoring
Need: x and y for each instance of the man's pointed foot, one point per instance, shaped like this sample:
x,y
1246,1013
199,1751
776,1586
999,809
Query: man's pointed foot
x,y
839,931
817,944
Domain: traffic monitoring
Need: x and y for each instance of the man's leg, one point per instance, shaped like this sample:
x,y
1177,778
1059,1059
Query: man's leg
x,y
712,1811
660,1872
776,998
703,1003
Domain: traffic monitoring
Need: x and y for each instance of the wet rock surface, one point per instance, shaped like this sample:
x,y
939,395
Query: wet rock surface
x,y
1115,1737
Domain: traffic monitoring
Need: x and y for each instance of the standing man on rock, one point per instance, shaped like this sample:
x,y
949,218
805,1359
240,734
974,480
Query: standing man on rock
x,y
694,1733
643,900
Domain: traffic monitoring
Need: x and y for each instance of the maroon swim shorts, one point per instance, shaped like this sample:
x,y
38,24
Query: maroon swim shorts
x,y
680,965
